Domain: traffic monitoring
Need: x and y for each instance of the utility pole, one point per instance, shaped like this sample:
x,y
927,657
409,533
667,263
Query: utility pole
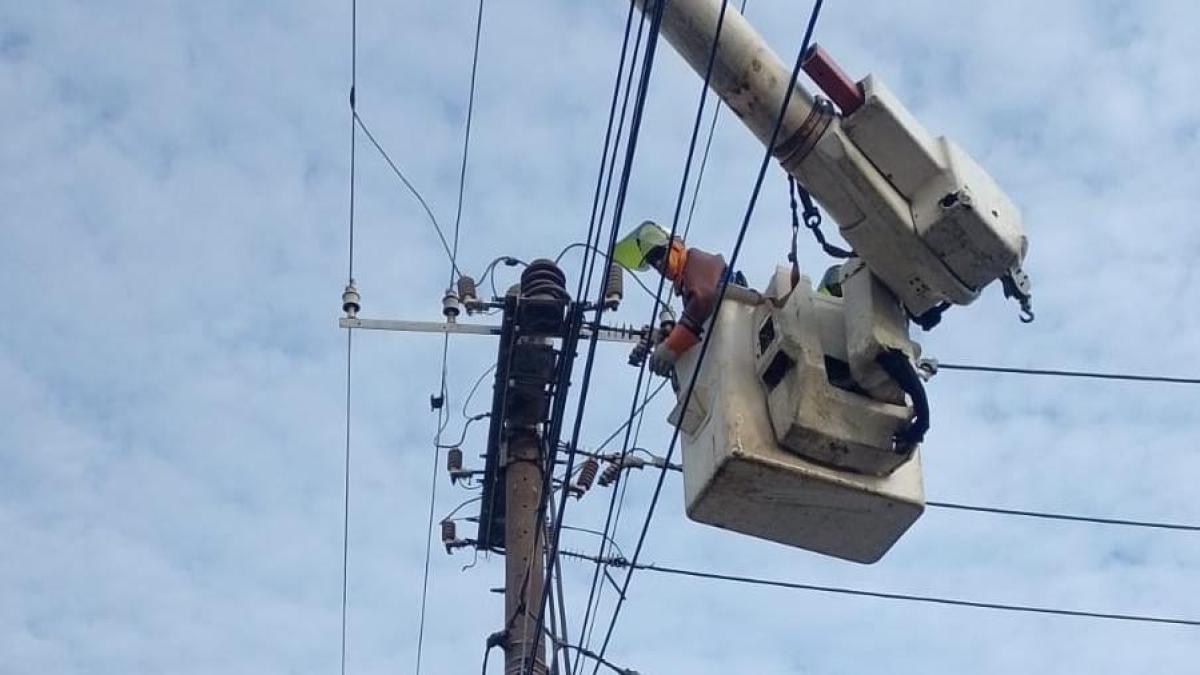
x,y
538,336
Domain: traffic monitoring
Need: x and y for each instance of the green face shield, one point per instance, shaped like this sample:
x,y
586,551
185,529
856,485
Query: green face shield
x,y
631,251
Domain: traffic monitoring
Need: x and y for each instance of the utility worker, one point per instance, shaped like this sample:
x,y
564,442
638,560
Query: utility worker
x,y
695,275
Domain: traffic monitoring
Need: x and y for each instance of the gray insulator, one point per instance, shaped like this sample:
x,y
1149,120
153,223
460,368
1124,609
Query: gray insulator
x,y
466,290
454,462
449,534
350,300
587,474
610,474
451,307
543,278
614,287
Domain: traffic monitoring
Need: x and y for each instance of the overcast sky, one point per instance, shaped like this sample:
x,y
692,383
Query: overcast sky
x,y
174,191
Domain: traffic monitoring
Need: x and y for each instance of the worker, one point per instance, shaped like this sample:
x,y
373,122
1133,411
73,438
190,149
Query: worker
x,y
695,275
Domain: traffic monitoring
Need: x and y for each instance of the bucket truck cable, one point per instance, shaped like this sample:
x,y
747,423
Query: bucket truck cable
x,y
737,248
618,211
884,595
683,185
582,290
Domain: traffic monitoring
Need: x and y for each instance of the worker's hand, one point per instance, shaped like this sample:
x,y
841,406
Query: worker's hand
x,y
662,361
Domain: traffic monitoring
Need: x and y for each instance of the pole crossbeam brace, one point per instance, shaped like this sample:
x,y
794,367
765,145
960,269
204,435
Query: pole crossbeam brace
x,y
607,334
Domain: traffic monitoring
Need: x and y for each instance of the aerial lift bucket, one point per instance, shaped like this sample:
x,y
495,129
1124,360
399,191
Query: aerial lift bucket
x,y
822,475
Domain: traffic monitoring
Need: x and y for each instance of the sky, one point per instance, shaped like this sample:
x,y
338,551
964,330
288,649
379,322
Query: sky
x,y
174,178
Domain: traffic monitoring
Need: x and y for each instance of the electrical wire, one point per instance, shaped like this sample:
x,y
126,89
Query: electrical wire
x,y
413,190
1066,517
346,501
443,410
443,420
462,173
349,331
581,289
618,212
1024,513
474,388
612,518
906,597
597,251
762,170
1069,373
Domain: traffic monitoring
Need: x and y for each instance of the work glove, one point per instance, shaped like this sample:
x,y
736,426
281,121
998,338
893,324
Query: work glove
x,y
662,361
678,341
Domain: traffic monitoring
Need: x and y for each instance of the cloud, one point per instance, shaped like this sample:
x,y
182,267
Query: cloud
x,y
174,181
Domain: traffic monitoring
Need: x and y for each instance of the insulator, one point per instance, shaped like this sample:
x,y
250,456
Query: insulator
x,y
449,532
609,476
587,474
350,300
454,462
451,307
466,291
614,287
543,278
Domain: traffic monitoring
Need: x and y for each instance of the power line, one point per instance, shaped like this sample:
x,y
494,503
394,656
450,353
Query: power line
x,y
415,193
346,502
1067,373
1046,515
606,176
906,597
349,331
613,516
618,212
1067,517
762,170
462,172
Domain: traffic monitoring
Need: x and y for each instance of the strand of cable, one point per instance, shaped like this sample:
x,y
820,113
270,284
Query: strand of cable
x,y
1069,373
346,501
608,135
462,172
590,265
443,421
712,127
557,601
596,251
762,170
904,597
613,515
1044,515
1123,522
349,331
618,212
616,502
362,124
444,409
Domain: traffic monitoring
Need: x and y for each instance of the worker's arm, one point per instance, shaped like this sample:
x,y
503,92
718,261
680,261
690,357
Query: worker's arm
x,y
701,282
